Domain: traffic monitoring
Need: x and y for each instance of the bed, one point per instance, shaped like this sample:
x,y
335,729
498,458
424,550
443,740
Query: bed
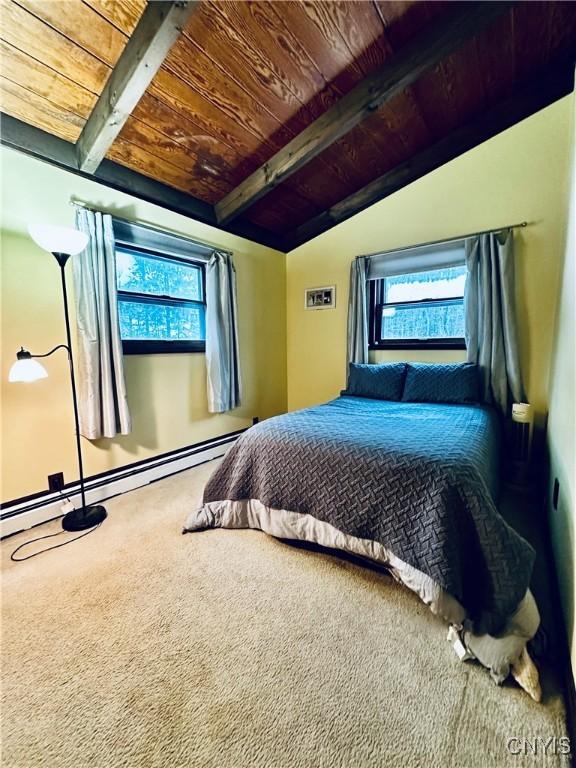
x,y
410,485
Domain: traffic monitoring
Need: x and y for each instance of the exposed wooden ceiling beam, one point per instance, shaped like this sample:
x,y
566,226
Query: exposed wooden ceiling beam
x,y
535,95
404,68
158,28
37,143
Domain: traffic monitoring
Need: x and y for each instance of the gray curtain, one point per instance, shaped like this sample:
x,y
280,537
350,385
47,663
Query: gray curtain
x,y
222,357
103,406
357,312
490,319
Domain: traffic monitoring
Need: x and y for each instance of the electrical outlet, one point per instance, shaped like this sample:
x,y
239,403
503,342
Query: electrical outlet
x,y
555,493
56,481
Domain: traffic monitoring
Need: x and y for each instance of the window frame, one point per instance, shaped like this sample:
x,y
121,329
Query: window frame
x,y
162,346
376,304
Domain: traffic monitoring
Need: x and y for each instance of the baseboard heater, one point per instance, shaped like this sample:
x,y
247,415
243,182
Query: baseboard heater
x,y
21,514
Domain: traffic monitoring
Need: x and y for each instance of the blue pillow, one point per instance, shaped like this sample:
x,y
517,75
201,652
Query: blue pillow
x,y
441,383
381,382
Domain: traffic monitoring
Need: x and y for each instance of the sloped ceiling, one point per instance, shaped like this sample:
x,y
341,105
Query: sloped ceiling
x,y
245,78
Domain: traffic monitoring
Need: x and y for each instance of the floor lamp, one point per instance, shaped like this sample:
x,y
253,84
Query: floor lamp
x,y
62,243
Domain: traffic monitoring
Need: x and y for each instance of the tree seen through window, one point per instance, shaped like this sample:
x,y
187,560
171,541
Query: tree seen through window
x,y
424,305
160,299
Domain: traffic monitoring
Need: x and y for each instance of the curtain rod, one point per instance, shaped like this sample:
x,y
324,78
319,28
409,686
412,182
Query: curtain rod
x,y
446,240
207,246
80,204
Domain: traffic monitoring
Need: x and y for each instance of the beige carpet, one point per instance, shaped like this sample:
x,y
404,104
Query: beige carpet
x,y
138,646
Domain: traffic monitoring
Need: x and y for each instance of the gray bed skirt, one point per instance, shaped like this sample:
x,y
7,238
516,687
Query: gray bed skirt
x,y
503,654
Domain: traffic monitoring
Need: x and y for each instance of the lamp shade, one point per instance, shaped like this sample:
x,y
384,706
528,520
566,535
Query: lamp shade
x,y
27,370
58,239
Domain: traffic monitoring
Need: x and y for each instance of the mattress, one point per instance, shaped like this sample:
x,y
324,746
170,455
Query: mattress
x,y
411,485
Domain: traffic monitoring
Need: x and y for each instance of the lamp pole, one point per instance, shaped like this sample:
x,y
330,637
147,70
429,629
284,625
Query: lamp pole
x,y
62,258
86,516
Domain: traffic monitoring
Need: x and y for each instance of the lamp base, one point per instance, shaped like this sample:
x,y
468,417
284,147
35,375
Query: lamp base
x,y
85,517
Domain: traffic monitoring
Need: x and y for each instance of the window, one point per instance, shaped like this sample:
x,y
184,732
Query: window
x,y
419,309
161,296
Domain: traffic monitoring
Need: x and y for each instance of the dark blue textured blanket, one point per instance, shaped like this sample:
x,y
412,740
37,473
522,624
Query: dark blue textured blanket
x,y
419,478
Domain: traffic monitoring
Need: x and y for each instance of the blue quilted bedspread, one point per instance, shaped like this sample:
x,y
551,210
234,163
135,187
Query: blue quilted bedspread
x,y
420,478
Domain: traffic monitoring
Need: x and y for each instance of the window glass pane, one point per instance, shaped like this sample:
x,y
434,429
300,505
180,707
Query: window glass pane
x,y
436,284
139,273
160,322
431,321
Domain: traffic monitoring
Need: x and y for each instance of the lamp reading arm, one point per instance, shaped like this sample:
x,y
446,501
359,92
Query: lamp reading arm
x,y
24,354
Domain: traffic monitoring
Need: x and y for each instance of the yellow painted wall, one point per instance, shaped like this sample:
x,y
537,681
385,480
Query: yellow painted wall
x,y
522,174
167,393
562,420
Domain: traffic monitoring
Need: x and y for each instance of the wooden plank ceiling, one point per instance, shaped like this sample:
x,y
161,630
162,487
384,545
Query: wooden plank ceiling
x,y
245,78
